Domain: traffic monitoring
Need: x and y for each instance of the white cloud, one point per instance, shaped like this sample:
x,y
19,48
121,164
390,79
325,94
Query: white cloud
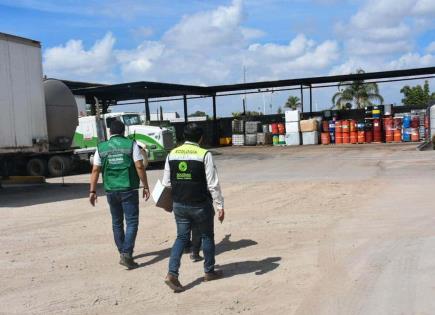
x,y
212,48
142,32
431,47
72,60
208,30
412,60
356,47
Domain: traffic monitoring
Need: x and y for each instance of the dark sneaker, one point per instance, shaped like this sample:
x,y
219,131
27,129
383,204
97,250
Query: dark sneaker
x,y
127,261
195,257
214,275
173,283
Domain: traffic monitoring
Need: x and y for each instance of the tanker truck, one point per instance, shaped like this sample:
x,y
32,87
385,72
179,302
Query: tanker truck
x,y
38,118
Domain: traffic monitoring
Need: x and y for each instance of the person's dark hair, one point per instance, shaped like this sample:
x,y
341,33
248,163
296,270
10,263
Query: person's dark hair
x,y
117,127
193,132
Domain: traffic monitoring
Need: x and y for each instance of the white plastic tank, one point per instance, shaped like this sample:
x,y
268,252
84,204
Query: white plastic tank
x,y
432,121
62,114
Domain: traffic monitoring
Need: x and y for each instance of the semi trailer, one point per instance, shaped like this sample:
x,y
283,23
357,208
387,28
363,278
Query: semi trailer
x,y
38,118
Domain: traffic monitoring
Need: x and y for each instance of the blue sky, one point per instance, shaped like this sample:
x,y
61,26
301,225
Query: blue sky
x,y
209,42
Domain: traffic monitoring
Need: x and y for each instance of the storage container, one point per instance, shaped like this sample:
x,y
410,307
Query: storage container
x,y
292,127
309,125
293,138
311,137
292,115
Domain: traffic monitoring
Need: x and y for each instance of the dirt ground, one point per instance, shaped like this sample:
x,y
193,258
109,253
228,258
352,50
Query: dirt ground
x,y
309,230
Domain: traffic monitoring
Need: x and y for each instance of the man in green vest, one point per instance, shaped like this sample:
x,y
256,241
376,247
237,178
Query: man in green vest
x,y
121,162
191,173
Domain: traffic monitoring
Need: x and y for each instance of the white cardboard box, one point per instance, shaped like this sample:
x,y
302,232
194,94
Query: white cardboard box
x,y
310,138
293,138
162,196
292,127
292,115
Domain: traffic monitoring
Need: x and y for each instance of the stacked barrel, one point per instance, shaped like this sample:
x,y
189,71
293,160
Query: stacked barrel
x,y
325,136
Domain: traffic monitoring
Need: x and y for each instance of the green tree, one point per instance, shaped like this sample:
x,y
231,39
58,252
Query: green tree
x,y
198,113
417,95
358,93
279,111
293,102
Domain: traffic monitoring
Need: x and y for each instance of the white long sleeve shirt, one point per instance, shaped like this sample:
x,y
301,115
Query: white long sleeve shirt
x,y
211,175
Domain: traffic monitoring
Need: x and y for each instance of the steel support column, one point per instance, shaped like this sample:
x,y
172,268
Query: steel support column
x,y
185,108
311,100
215,125
147,111
302,98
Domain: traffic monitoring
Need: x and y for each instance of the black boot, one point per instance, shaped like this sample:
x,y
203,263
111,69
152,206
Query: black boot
x,y
127,261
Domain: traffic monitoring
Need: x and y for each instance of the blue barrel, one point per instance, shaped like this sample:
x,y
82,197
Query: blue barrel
x,y
407,134
332,135
360,126
332,126
407,121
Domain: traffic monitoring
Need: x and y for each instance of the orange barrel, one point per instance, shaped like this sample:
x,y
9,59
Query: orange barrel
x,y
389,135
338,137
398,123
274,128
281,129
346,137
369,136
353,137
388,123
415,121
345,126
377,130
326,139
361,136
397,135
415,137
352,126
325,126
338,126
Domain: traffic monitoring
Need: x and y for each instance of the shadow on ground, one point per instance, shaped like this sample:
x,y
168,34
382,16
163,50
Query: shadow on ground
x,y
223,246
259,267
22,196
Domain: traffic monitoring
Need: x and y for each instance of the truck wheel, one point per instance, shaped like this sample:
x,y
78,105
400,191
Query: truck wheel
x,y
36,167
59,165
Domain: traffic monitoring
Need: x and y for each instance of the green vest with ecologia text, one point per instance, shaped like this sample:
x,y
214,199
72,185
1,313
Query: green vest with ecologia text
x,y
119,171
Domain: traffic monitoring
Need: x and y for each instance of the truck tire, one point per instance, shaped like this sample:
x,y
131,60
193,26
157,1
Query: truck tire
x,y
59,165
37,167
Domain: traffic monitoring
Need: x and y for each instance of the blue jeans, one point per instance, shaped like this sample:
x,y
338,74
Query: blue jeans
x,y
202,217
124,204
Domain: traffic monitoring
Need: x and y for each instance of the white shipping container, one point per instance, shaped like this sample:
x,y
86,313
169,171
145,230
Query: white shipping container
x,y
292,127
23,124
292,115
293,138
310,138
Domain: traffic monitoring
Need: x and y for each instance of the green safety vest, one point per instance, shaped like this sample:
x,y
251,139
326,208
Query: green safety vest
x,y
119,171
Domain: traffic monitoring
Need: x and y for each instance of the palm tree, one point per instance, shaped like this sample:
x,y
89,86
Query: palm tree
x,y
293,102
358,93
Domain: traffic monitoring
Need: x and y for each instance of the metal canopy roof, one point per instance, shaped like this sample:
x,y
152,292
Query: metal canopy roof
x,y
80,85
322,80
149,90
140,90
